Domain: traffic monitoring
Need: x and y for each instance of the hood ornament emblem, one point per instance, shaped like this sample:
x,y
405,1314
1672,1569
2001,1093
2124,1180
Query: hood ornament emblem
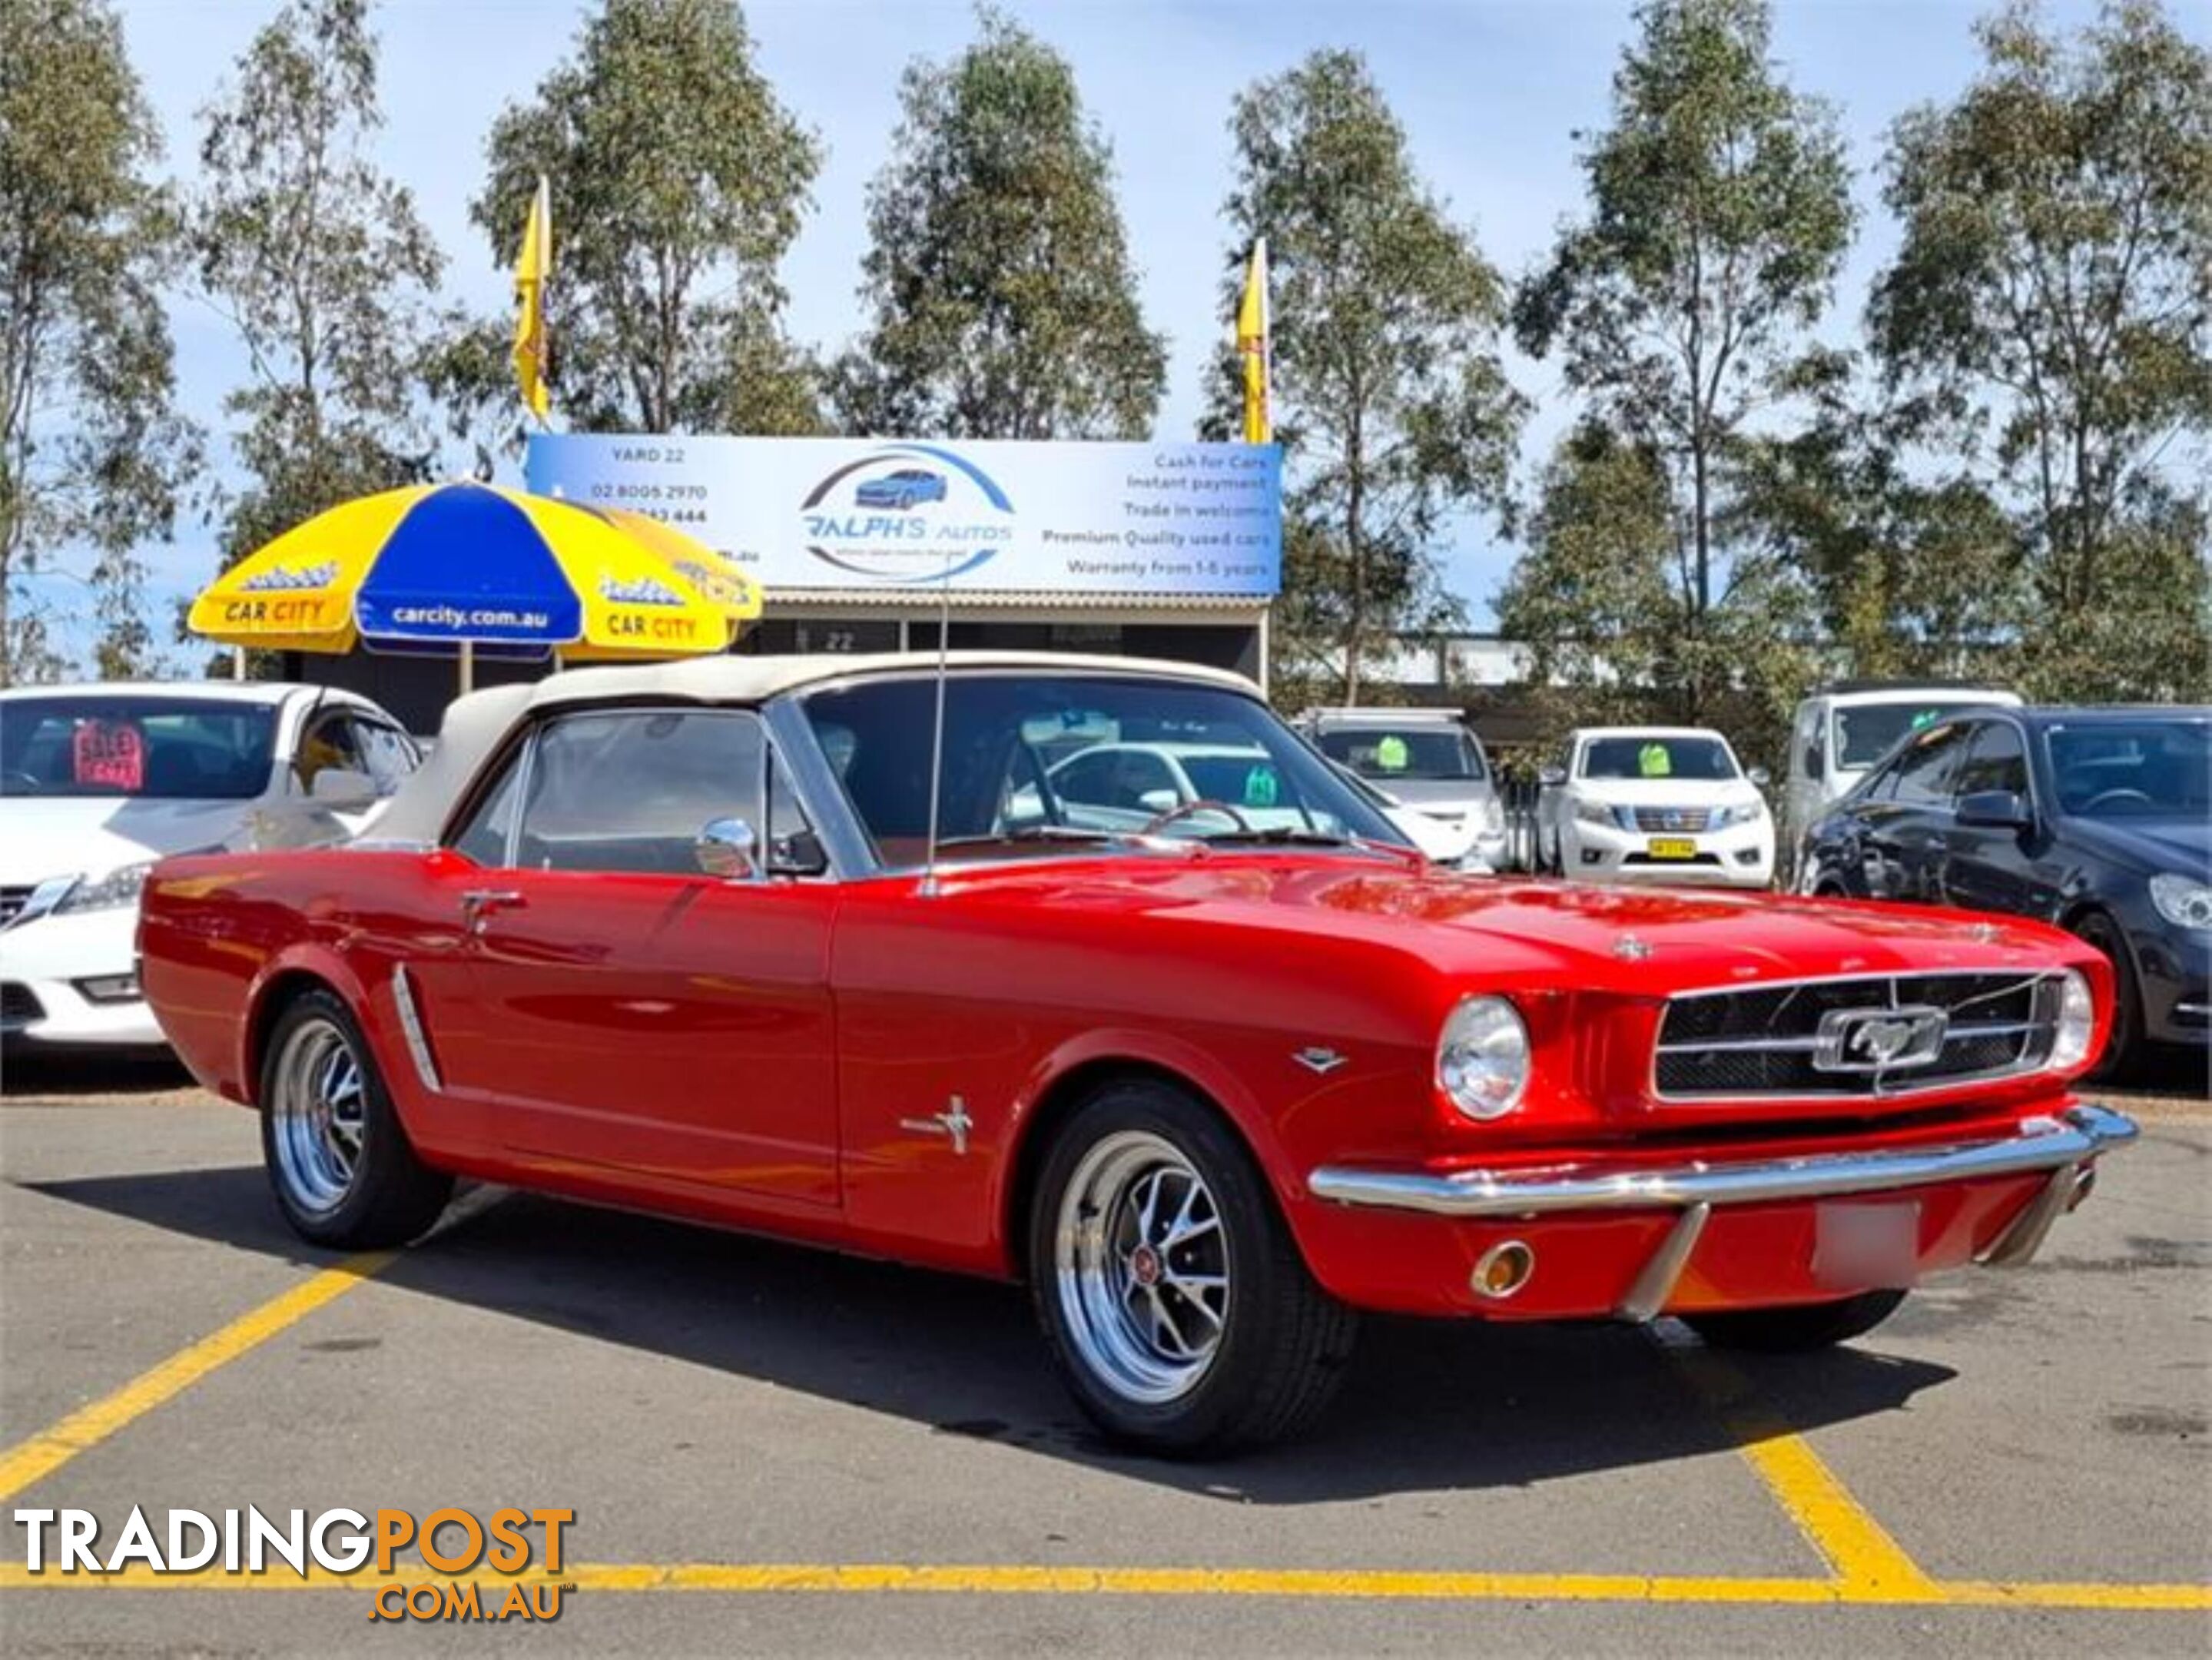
x,y
1629,949
1319,1061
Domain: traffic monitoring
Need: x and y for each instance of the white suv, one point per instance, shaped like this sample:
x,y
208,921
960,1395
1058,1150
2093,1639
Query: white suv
x,y
1662,804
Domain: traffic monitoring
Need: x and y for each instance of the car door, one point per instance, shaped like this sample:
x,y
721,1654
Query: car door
x,y
1906,820
638,1014
1992,867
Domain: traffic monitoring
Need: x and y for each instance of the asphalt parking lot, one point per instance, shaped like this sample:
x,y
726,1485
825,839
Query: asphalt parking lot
x,y
770,1451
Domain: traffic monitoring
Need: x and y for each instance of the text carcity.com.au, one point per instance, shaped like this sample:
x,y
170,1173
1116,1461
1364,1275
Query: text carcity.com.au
x,y
501,1545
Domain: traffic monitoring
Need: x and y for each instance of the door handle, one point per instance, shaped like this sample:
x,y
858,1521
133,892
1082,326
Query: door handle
x,y
479,904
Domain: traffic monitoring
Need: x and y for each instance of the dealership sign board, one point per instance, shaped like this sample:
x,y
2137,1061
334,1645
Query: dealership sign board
x,y
876,515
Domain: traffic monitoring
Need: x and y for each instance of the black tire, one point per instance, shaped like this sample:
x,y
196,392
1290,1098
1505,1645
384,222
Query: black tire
x,y
2125,1050
1280,1343
1795,1330
383,1194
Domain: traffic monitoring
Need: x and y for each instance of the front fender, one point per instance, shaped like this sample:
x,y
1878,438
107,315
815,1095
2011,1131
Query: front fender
x,y
284,971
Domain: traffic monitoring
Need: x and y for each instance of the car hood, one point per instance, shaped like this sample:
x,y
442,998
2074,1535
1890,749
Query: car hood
x,y
1437,795
2179,843
1665,792
1641,940
83,837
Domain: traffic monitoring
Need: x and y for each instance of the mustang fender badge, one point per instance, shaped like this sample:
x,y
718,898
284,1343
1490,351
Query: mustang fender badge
x,y
1319,1059
953,1121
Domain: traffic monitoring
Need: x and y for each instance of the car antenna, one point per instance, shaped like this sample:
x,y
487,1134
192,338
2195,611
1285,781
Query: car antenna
x,y
937,725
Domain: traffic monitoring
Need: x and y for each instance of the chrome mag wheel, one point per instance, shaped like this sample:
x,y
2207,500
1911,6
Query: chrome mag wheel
x,y
318,1115
1142,1264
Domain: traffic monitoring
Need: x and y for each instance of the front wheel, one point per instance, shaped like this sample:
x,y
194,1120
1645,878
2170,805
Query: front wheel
x,y
1173,1300
1795,1330
343,1169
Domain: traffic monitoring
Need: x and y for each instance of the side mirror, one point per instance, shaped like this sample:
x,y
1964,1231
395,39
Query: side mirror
x,y
726,847
342,789
1996,809
799,853
1159,800
1760,778
1552,777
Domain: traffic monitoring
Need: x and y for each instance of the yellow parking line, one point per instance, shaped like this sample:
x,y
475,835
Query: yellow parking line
x,y
41,1455
741,1578
1870,1564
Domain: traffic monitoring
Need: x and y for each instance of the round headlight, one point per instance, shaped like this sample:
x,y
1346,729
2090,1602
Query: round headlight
x,y
2077,1021
1482,1058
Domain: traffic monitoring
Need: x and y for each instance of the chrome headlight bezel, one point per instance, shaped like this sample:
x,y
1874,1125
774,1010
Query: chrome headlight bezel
x,y
1597,812
2075,1026
1729,816
110,890
1484,1058
2182,900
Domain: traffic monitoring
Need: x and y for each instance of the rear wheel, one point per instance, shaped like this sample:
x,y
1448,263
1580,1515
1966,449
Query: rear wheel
x,y
1795,1330
1173,1300
343,1170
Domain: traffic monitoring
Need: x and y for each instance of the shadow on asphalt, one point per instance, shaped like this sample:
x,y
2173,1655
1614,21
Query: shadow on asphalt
x,y
1430,1404
63,1074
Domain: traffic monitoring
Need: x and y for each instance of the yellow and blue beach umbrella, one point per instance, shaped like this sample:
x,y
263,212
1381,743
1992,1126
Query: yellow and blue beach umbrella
x,y
438,567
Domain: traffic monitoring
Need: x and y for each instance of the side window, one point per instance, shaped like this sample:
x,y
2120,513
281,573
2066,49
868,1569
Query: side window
x,y
387,754
484,838
630,790
1925,772
1088,780
329,741
1995,760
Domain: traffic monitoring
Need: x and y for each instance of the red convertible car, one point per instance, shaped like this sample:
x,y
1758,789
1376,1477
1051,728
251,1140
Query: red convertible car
x,y
1211,1075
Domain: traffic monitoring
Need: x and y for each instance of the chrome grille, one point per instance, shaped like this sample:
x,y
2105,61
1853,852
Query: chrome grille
x,y
1672,818
12,900
1792,1039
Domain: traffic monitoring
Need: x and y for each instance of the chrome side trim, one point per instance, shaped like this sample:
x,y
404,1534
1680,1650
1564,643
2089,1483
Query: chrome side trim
x,y
410,1026
2043,1144
1647,1298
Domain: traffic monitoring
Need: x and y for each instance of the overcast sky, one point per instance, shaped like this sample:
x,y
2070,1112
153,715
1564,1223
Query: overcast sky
x,y
1490,93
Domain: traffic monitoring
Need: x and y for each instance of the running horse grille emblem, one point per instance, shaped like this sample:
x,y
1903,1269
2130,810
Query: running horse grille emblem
x,y
1880,1039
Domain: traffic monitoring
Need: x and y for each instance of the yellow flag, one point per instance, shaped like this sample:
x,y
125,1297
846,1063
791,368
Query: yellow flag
x,y
531,267
1252,344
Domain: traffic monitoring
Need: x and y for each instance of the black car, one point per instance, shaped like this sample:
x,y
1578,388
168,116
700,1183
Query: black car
x,y
2097,819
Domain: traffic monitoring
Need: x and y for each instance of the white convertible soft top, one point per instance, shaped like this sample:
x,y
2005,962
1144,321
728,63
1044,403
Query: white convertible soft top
x,y
474,725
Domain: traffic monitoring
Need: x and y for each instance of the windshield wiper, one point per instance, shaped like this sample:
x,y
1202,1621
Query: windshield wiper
x,y
1279,835
1127,838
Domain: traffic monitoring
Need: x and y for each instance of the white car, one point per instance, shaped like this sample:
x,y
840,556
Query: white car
x,y
1430,761
1659,804
98,781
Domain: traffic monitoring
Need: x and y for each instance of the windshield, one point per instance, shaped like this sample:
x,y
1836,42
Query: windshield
x,y
1866,733
2153,768
152,748
1641,756
1032,760
1404,753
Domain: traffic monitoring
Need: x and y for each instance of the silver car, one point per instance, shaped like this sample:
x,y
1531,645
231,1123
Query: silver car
x,y
1429,760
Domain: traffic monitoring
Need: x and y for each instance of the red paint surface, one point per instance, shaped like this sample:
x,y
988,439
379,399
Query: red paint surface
x,y
751,1054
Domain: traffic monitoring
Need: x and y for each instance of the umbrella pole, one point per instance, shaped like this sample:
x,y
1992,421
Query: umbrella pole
x,y
238,662
468,666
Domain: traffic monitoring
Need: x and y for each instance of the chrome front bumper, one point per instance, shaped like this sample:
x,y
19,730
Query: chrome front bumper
x,y
2043,1144
2061,1146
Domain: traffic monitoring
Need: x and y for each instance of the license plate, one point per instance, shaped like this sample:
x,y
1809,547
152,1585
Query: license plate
x,y
1866,1247
1671,846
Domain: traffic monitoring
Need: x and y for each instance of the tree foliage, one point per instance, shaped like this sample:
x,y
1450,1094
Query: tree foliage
x,y
2050,309
323,268
1720,212
1004,303
91,451
1389,399
678,181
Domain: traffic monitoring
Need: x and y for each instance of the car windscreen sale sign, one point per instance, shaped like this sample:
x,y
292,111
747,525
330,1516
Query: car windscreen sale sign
x,y
888,513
